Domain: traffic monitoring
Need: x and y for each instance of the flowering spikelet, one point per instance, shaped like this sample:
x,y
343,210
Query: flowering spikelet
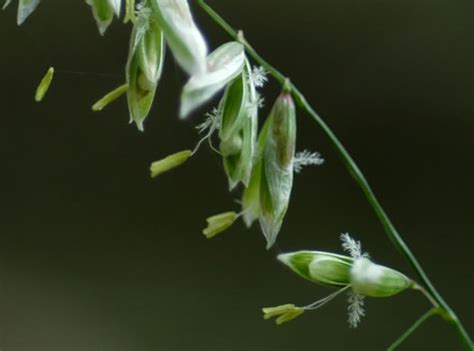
x,y
238,130
277,167
357,273
144,65
268,194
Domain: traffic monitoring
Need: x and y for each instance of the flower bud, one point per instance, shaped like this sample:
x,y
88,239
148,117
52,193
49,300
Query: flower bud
x,y
144,66
184,38
320,267
370,279
103,12
44,84
169,162
223,65
218,223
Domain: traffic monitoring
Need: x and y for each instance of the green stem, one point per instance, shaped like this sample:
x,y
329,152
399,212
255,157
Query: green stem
x,y
359,177
415,326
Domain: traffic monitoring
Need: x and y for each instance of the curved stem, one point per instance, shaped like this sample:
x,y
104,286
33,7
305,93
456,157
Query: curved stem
x,y
415,326
426,294
357,174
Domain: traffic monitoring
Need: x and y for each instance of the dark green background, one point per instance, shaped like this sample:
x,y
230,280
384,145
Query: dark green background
x,y
96,256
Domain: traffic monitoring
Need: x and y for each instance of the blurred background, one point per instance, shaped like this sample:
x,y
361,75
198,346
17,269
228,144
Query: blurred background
x,y
94,255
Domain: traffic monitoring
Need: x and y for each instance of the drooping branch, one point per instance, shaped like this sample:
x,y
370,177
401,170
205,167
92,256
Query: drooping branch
x,y
356,173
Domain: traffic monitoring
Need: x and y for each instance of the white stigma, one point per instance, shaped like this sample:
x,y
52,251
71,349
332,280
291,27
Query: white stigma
x,y
306,158
355,310
258,76
351,246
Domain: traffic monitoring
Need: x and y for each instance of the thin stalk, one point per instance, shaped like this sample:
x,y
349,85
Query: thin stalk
x,y
414,327
357,174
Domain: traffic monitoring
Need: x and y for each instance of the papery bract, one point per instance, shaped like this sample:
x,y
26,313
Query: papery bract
x,y
223,65
144,66
183,36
